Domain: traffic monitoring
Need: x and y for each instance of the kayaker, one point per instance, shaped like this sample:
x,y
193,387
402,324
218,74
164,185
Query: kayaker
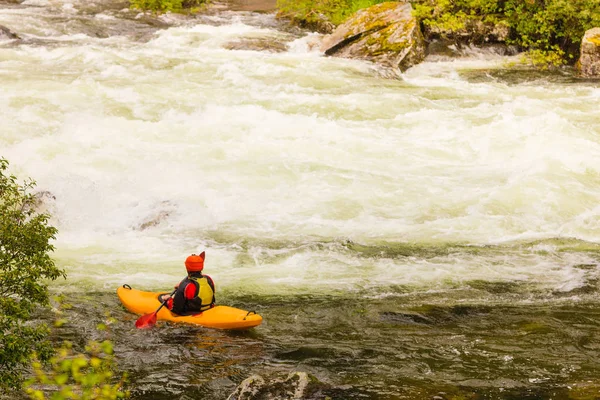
x,y
194,294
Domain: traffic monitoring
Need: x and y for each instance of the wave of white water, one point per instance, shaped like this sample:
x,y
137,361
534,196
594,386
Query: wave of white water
x,y
159,147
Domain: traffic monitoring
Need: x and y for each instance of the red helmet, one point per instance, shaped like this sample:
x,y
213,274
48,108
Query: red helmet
x,y
195,263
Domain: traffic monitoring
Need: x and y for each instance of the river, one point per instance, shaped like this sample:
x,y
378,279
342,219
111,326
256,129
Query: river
x,y
436,234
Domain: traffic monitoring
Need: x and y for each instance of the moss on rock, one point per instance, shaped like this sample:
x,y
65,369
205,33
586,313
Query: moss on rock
x,y
594,39
386,34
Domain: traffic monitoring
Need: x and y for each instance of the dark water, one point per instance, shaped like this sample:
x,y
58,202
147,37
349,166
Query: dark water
x,y
403,346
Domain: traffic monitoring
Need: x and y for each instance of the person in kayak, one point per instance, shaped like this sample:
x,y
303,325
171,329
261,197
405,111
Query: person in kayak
x,y
194,294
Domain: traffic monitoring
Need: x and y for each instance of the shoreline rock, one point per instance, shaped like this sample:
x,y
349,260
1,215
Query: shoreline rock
x,y
295,385
387,34
589,61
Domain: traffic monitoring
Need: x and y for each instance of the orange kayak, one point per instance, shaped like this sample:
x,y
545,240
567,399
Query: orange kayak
x,y
219,317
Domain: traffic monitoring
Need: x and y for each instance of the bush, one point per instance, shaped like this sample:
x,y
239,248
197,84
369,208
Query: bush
x,y
454,15
25,265
77,376
162,6
550,30
336,11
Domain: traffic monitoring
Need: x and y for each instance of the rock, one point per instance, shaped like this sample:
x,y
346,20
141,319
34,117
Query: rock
x,y
248,388
257,44
589,62
294,386
6,33
444,49
474,34
164,211
386,33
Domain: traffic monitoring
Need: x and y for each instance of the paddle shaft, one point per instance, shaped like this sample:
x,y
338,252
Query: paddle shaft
x,y
148,320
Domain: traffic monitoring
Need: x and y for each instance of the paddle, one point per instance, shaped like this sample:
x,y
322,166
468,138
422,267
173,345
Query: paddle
x,y
149,320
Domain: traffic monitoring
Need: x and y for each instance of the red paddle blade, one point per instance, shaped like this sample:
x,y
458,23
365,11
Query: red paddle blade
x,y
146,321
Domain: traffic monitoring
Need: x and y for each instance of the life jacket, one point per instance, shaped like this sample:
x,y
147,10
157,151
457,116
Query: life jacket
x,y
204,296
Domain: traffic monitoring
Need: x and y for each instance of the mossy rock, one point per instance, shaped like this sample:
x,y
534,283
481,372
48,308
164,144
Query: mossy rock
x,y
592,36
595,40
386,34
589,62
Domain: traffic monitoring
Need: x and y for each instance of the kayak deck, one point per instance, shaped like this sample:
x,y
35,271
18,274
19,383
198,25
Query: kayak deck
x,y
218,317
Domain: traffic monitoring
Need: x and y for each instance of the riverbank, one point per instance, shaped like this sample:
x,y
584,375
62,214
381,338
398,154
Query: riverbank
x,y
372,29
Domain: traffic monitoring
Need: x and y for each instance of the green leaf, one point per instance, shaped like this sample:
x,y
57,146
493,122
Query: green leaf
x,y
61,379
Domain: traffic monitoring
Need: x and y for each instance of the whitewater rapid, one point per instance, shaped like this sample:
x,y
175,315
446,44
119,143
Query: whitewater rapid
x,y
295,172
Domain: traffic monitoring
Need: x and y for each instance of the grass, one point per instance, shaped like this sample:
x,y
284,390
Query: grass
x,y
335,11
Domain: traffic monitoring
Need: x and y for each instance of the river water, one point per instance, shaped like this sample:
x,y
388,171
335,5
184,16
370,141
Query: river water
x,y
433,234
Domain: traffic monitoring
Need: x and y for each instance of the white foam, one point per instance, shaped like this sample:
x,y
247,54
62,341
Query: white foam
x,y
309,44
155,149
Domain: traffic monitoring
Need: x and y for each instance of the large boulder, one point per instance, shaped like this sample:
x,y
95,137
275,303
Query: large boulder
x,y
386,33
589,62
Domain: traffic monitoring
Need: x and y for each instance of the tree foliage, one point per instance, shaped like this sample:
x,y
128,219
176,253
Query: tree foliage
x,y
25,266
550,30
335,11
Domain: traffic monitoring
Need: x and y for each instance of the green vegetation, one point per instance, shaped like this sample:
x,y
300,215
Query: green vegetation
x,y
77,376
25,265
550,30
455,15
163,6
311,11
